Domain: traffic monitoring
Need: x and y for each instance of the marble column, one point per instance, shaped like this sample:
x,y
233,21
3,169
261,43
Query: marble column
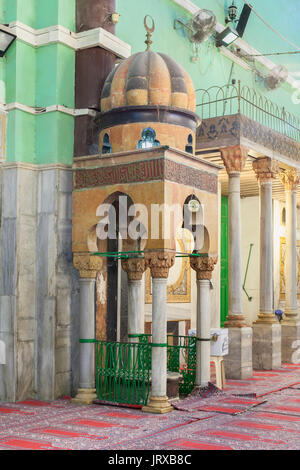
x,y
238,363
291,322
135,268
159,264
266,329
203,265
88,267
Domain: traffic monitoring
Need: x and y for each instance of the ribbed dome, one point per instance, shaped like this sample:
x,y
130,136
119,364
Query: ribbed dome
x,y
148,78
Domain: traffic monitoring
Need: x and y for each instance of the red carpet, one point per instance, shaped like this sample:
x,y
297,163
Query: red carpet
x,y
217,420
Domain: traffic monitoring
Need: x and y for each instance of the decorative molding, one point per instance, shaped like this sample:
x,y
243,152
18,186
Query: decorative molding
x,y
87,265
49,109
135,268
35,166
97,37
290,179
234,158
160,263
237,129
204,266
265,169
149,170
180,290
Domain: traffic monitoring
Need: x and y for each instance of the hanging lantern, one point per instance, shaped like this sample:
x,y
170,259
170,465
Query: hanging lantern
x,y
232,12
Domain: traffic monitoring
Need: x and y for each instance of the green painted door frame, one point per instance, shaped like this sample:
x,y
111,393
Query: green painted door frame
x,y
224,281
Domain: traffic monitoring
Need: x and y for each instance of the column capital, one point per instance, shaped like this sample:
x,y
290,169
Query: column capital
x,y
234,158
159,263
135,268
88,265
290,179
266,169
204,266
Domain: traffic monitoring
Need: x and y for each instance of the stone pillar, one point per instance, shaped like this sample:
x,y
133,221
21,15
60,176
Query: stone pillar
x,y
266,329
159,264
203,265
290,324
238,363
88,267
135,268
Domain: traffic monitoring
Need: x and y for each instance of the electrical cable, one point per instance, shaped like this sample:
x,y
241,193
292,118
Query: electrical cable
x,y
266,24
271,53
271,27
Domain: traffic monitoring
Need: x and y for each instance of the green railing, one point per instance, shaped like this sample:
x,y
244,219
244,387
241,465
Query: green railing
x,y
181,358
123,372
235,99
181,354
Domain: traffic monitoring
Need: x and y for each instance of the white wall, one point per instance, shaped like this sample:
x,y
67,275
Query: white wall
x,y
250,234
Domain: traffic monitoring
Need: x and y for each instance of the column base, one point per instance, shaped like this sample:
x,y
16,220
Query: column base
x,y
266,318
238,363
290,317
85,396
290,342
266,346
158,405
235,321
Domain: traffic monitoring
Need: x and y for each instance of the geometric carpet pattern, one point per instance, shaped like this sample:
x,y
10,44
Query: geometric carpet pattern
x,y
263,414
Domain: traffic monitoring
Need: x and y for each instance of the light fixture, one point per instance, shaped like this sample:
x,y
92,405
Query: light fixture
x,y
226,37
7,37
114,17
232,13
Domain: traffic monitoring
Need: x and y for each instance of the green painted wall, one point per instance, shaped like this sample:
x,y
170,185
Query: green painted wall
x,y
45,76
39,77
53,12
212,68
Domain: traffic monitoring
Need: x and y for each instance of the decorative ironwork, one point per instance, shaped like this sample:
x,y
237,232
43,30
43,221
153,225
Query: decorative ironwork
x,y
150,31
181,354
231,99
123,372
181,358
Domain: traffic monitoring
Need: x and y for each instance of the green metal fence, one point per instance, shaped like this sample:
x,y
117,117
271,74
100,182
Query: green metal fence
x,y
181,358
123,372
181,354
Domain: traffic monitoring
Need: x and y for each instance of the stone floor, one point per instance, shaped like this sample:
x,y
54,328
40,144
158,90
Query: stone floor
x,y
258,413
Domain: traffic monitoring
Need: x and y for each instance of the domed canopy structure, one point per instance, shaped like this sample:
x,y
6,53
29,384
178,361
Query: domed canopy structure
x,y
148,78
148,90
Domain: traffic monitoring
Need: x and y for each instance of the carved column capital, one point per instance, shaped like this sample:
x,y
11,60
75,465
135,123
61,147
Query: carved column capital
x,y
290,179
265,169
88,265
204,266
234,158
135,268
159,263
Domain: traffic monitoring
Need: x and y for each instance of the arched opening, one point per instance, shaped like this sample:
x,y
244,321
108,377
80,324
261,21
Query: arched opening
x,y
189,146
148,139
106,146
193,221
112,313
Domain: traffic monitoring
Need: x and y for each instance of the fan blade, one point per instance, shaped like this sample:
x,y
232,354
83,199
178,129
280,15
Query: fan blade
x,y
243,20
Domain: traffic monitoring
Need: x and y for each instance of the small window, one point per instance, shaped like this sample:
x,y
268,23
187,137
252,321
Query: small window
x,y
189,146
148,139
106,147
